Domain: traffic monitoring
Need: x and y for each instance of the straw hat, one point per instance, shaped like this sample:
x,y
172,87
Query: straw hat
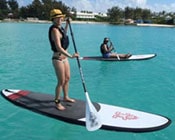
x,y
56,13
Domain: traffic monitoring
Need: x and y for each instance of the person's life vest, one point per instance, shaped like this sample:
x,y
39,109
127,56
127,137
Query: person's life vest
x,y
103,51
64,40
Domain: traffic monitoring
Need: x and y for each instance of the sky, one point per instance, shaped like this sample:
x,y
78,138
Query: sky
x,y
103,5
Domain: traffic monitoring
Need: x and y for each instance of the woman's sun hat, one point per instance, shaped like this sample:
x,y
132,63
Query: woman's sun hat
x,y
56,13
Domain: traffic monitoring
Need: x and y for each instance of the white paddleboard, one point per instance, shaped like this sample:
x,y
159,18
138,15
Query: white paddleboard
x,y
133,57
112,117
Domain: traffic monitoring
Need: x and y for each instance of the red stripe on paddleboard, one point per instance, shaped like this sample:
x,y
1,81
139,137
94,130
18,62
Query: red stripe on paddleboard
x,y
18,95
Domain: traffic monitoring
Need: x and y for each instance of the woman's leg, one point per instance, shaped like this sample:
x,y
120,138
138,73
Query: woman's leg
x,y
66,84
59,70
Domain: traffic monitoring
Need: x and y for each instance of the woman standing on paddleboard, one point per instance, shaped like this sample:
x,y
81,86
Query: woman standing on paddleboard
x,y
59,42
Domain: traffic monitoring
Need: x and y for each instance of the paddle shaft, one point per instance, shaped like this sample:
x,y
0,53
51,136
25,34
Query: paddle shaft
x,y
92,117
78,61
115,50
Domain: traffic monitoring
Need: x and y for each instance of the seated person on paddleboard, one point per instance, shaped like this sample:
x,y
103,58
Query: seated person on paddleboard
x,y
59,42
106,50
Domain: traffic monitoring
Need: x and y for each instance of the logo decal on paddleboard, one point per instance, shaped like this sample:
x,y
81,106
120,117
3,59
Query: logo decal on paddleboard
x,y
124,116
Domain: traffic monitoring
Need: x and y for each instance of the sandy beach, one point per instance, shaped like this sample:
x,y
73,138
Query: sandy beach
x,y
47,21
86,22
155,25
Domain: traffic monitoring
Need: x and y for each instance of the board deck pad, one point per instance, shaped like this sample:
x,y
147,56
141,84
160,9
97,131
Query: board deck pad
x,y
133,57
112,117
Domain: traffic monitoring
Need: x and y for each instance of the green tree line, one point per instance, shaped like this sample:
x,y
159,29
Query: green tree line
x,y
116,15
41,8
38,8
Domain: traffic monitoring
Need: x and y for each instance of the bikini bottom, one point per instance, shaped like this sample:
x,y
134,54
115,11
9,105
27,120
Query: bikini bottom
x,y
59,59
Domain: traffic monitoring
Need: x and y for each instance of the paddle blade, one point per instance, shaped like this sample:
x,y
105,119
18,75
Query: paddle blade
x,y
118,57
92,117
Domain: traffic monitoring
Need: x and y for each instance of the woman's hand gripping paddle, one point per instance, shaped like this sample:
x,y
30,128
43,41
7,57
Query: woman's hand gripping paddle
x,y
92,117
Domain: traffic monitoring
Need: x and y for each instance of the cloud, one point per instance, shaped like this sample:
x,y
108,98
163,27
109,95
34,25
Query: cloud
x,y
103,5
82,4
140,2
163,7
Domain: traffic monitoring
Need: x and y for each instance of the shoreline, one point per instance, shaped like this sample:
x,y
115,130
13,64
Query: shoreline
x,y
48,21
86,22
155,25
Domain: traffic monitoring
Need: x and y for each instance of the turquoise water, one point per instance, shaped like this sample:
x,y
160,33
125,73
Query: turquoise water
x,y
25,63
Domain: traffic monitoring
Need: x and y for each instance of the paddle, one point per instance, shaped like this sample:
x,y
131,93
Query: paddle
x,y
92,118
114,50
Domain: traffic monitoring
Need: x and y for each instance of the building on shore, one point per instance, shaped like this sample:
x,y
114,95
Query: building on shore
x,y
88,15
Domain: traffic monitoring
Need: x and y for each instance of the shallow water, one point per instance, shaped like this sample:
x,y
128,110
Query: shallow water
x,y
143,85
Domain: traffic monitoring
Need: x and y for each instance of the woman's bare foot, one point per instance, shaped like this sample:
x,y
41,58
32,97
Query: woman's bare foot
x,y
60,107
69,100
